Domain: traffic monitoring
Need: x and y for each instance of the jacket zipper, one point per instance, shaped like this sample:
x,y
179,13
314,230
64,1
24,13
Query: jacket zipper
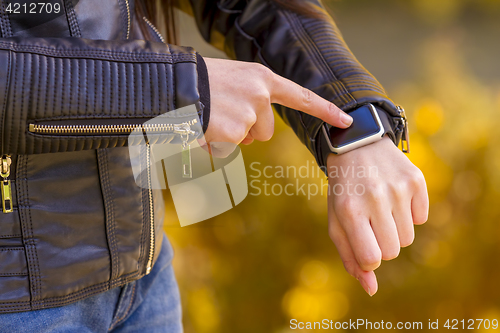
x,y
406,133
128,18
184,130
154,29
151,213
6,187
104,129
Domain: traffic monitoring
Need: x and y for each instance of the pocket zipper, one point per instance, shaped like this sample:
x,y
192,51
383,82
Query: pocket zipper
x,y
6,187
91,129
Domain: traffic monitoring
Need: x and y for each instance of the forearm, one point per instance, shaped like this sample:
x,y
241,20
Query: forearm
x,y
81,82
309,51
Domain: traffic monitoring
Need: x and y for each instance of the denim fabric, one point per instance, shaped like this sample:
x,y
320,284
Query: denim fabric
x,y
151,304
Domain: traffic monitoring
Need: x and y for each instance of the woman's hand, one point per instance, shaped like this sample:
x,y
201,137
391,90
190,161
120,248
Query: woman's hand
x,y
383,195
241,94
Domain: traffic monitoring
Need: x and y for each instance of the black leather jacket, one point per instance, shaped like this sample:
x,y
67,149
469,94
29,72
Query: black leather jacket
x,y
80,225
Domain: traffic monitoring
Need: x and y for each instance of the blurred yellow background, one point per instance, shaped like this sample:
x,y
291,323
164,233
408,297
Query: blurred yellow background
x,y
270,259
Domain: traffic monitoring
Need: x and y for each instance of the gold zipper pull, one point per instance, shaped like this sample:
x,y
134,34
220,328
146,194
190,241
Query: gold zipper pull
x,y
184,130
6,188
405,140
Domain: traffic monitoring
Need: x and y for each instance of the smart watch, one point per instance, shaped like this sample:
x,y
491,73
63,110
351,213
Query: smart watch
x,y
369,125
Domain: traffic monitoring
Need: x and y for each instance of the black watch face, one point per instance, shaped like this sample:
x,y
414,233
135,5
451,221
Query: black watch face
x,y
364,125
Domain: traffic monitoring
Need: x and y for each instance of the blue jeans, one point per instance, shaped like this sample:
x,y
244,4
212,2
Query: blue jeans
x,y
151,304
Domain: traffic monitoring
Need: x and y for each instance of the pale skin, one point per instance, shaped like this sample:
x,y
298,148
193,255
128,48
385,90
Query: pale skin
x,y
366,229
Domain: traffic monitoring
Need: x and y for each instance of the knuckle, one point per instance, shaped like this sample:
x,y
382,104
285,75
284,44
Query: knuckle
x,y
370,260
264,71
350,267
267,135
249,118
264,134
375,190
334,110
347,207
235,136
416,179
307,96
264,98
407,240
399,190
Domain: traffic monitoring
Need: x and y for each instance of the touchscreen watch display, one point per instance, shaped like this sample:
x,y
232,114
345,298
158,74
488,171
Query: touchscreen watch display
x,y
364,125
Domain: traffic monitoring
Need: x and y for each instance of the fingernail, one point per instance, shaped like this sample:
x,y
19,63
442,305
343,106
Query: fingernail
x,y
365,287
346,119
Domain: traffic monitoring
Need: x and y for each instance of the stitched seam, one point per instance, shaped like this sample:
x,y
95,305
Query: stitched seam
x,y
105,54
142,85
130,92
126,313
32,240
95,116
25,228
11,249
174,75
37,106
11,236
103,90
86,80
151,90
109,207
72,20
111,88
144,197
170,105
47,85
5,22
109,199
95,87
14,100
7,92
82,293
158,88
13,274
119,86
55,301
78,87
300,32
315,53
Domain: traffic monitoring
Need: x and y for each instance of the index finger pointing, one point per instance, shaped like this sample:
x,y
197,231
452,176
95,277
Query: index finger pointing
x,y
292,95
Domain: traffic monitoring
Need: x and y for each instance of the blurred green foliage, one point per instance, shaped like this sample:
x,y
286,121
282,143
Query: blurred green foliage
x,y
270,259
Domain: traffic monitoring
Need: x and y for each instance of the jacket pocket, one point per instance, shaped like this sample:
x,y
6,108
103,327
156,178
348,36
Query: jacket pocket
x,y
13,275
13,261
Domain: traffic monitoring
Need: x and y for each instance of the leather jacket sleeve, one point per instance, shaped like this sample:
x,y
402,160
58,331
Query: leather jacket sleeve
x,y
79,83
308,50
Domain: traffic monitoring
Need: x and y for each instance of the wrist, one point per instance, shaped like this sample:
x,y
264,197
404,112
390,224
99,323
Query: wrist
x,y
385,143
372,123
